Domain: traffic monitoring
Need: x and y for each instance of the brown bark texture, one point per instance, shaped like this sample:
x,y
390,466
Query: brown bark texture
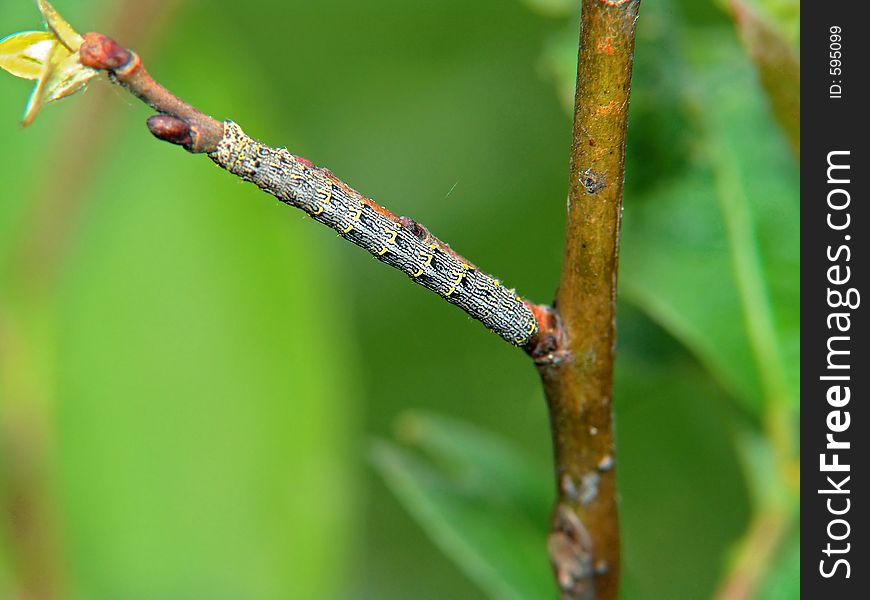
x,y
578,377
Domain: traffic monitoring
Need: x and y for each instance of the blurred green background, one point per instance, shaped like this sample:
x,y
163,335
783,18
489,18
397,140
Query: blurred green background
x,y
204,394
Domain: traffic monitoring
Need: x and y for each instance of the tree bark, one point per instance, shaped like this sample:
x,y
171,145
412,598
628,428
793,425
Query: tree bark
x,y
578,376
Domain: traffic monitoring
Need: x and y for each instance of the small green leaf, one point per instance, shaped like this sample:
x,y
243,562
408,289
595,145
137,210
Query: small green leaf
x,y
37,96
23,54
62,75
49,57
67,36
57,54
487,515
68,77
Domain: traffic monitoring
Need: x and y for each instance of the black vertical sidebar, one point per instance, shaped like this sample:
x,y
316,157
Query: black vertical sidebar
x,y
835,224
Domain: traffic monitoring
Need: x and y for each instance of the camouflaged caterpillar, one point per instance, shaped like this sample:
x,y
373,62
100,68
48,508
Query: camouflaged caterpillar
x,y
396,241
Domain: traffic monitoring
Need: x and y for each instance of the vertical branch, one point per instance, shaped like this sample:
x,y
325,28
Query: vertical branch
x,y
584,540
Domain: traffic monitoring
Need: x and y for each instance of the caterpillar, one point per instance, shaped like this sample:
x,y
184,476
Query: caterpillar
x,y
397,241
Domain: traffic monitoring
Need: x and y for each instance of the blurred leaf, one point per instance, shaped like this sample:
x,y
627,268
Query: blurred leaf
x,y
553,8
558,63
479,460
205,438
760,469
714,255
778,68
489,517
783,580
673,251
23,54
758,189
207,425
783,15
459,484
676,465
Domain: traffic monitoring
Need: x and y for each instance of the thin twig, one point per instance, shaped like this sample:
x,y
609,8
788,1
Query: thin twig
x,y
125,68
584,541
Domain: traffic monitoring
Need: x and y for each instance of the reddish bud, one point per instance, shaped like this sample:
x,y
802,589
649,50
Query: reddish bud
x,y
102,52
170,129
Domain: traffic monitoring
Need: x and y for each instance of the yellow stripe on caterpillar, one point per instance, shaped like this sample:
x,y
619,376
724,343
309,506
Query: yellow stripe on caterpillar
x,y
297,183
